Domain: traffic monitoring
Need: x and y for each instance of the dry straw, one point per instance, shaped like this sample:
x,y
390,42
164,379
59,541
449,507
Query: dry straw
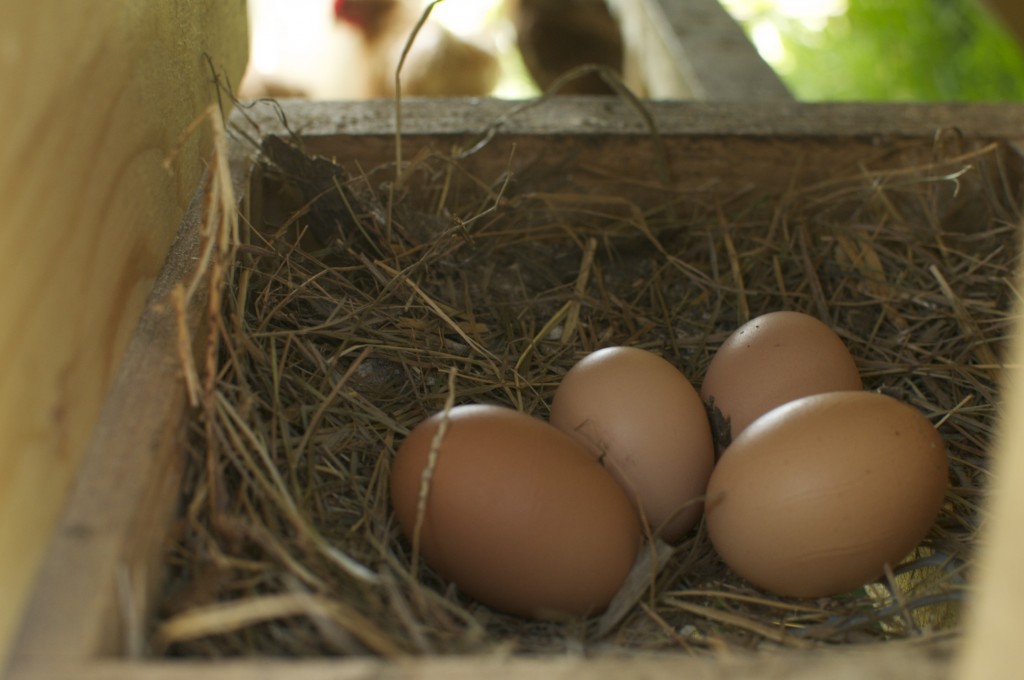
x,y
331,350
356,307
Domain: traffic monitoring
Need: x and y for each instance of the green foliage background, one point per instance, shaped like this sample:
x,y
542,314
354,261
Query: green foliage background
x,y
903,50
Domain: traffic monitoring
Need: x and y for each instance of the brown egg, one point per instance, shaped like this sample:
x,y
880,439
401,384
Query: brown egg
x,y
641,417
769,360
817,495
518,514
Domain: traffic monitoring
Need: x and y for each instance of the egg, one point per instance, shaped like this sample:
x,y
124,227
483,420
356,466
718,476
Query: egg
x,y
517,514
815,497
768,361
644,421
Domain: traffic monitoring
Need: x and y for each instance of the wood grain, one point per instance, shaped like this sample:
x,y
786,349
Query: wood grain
x,y
595,116
1011,13
124,499
877,661
693,50
992,647
94,99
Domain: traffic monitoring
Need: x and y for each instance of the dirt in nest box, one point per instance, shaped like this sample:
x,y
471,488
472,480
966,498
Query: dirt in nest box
x,y
352,297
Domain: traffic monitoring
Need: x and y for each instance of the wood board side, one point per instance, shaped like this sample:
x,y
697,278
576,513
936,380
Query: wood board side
x,y
880,662
95,102
1011,13
125,498
994,632
693,50
590,116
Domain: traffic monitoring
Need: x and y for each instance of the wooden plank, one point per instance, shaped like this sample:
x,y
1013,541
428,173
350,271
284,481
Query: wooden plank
x,y
880,662
122,501
693,50
1011,13
992,646
95,101
873,123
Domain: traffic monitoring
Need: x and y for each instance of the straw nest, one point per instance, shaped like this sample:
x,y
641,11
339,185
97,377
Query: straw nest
x,y
356,303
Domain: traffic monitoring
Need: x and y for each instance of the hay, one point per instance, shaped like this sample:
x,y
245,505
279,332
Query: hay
x,y
358,306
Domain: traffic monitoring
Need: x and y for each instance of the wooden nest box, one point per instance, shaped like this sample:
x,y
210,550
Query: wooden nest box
x,y
105,188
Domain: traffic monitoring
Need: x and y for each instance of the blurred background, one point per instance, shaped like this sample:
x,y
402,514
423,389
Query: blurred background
x,y
878,50
824,50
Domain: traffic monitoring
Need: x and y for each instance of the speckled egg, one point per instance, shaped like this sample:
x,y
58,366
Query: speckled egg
x,y
772,359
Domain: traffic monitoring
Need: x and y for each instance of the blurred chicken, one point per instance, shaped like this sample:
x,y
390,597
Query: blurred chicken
x,y
439,63
258,86
556,36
